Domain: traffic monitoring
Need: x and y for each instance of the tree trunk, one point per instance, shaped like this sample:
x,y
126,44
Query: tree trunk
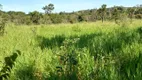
x,y
131,18
102,19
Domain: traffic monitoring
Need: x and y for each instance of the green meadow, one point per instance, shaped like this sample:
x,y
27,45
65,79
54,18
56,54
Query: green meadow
x,y
79,51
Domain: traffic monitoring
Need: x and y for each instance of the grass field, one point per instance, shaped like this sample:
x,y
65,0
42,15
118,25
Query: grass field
x,y
81,51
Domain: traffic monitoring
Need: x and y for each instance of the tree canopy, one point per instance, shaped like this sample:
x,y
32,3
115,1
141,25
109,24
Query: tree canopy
x,y
48,8
103,13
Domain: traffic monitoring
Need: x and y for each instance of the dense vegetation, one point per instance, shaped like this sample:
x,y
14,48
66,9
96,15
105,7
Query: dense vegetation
x,y
81,51
105,45
117,13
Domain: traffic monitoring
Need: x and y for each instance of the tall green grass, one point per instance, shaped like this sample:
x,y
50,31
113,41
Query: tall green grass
x,y
81,51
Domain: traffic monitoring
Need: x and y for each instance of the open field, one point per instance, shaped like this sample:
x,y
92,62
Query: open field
x,y
81,51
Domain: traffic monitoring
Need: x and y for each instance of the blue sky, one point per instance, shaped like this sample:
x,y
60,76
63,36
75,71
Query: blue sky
x,y
62,5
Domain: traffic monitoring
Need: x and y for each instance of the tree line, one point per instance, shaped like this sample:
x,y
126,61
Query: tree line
x,y
116,13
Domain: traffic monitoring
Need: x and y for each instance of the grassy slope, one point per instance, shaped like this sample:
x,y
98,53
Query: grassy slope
x,y
116,50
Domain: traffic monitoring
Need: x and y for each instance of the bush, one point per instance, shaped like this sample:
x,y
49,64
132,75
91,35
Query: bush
x,y
138,16
8,65
2,28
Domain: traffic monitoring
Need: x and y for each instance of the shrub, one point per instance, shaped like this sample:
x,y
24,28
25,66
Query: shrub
x,y
2,28
8,65
138,16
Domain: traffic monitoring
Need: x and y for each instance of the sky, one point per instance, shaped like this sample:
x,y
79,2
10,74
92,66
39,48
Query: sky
x,y
63,5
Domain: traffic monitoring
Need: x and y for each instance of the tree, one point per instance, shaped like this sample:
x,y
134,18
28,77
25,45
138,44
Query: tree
x,y
55,18
2,28
72,18
115,14
80,18
118,13
131,13
17,17
45,19
102,11
35,17
48,9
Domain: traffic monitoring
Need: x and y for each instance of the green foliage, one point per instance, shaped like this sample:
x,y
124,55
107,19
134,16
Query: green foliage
x,y
80,51
115,14
131,13
131,68
2,28
35,17
73,63
76,29
80,18
91,15
46,19
55,18
48,9
138,16
68,61
73,18
102,12
8,65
